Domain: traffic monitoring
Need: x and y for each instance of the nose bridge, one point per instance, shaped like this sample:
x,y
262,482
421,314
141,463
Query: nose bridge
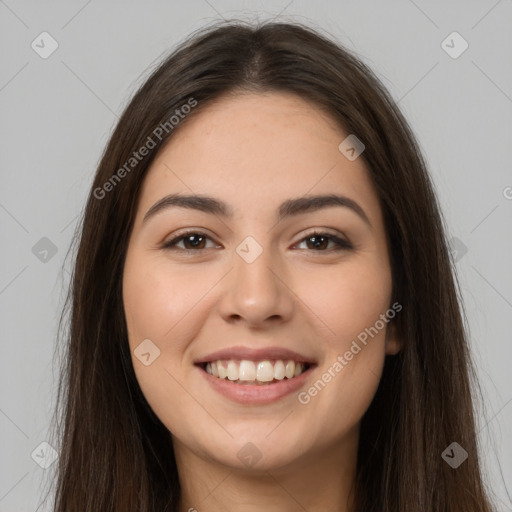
x,y
256,291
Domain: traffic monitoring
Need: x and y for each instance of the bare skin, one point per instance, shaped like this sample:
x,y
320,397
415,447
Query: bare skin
x,y
254,152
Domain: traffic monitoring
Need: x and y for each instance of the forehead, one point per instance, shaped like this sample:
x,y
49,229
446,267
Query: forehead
x,y
257,150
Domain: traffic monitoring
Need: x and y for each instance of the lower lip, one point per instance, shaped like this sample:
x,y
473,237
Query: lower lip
x,y
257,394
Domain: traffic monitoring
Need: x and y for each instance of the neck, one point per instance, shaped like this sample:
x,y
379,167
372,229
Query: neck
x,y
315,482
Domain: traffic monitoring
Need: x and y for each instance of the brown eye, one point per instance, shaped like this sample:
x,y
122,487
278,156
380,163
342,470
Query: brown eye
x,y
193,241
319,242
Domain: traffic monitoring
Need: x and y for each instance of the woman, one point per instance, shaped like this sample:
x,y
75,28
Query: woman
x,y
263,310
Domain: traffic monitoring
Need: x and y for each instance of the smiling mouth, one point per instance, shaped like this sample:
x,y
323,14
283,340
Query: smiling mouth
x,y
257,373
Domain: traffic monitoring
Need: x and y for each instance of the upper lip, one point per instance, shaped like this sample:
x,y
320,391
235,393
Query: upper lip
x,y
255,354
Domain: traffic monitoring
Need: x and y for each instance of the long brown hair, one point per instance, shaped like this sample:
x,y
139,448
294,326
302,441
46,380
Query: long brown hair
x,y
115,454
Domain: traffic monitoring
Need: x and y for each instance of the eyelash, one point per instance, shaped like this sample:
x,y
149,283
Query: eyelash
x,y
342,245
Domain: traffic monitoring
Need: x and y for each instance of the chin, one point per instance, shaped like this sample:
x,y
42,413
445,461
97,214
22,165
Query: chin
x,y
256,456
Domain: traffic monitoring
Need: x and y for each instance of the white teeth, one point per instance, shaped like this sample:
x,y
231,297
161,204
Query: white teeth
x,y
265,371
232,370
246,371
290,369
221,370
279,370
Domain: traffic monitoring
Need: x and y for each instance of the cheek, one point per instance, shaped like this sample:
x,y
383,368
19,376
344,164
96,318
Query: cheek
x,y
346,300
157,299
349,303
167,305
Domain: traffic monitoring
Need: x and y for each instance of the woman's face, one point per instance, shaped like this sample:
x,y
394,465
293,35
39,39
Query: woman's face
x,y
251,279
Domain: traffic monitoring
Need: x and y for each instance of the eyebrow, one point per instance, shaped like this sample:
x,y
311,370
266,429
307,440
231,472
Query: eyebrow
x,y
289,208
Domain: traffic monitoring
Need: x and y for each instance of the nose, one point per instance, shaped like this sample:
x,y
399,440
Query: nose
x,y
257,292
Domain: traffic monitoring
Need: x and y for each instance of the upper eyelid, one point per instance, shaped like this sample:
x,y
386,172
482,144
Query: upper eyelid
x,y
178,237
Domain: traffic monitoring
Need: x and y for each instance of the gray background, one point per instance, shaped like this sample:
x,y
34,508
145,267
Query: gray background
x,y
58,112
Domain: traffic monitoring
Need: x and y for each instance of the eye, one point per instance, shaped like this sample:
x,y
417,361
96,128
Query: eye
x,y
195,240
320,241
317,241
